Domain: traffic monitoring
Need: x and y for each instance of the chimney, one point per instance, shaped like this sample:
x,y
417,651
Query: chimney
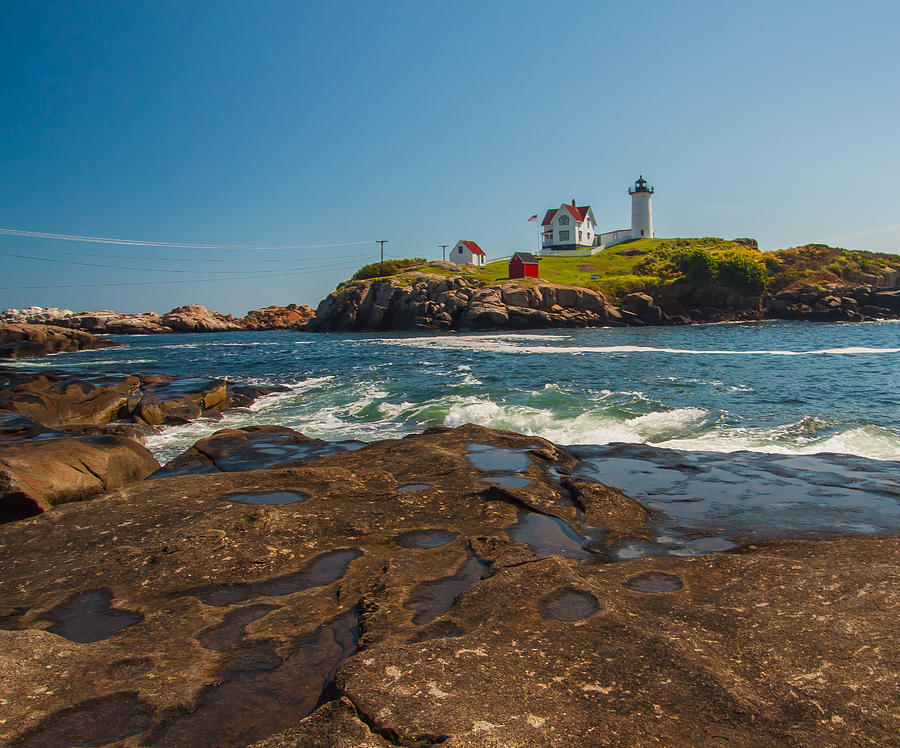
x,y
573,202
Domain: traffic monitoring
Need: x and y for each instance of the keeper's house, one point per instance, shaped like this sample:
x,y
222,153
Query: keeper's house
x,y
568,228
467,253
570,231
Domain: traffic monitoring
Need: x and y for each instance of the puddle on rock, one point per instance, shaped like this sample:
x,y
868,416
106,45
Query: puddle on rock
x,y
266,497
569,605
488,458
425,538
507,481
325,568
262,695
653,582
231,629
629,549
433,598
549,536
704,545
410,487
87,617
107,719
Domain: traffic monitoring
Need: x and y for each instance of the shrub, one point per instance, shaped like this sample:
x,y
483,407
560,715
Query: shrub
x,y
382,269
742,273
698,265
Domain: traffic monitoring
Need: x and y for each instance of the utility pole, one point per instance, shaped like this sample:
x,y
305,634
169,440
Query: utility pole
x,y
382,242
444,249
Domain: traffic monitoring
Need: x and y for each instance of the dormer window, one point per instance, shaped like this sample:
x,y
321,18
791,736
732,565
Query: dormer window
x,y
563,220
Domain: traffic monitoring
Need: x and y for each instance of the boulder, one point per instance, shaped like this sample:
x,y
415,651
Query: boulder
x,y
179,401
62,398
25,340
57,398
250,448
38,474
290,317
196,318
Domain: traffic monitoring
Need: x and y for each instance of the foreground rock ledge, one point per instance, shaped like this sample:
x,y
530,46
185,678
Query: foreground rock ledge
x,y
390,605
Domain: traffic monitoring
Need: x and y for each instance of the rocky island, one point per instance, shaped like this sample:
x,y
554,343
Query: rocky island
x,y
636,283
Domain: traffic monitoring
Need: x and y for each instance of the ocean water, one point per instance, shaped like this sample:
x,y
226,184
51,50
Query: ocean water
x,y
730,432
776,387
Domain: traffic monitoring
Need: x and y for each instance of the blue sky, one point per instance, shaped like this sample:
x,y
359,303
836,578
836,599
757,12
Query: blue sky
x,y
299,123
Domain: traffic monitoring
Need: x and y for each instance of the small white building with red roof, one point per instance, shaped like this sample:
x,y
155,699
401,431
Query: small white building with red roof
x,y
568,228
467,253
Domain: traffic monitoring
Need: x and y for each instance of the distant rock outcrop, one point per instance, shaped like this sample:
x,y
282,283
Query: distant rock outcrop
x,y
23,340
290,317
190,318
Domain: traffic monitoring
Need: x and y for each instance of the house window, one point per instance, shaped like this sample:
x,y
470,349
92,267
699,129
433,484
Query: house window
x,y
579,236
563,220
642,232
564,236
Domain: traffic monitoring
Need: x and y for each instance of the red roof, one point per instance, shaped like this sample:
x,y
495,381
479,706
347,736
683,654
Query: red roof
x,y
578,212
473,247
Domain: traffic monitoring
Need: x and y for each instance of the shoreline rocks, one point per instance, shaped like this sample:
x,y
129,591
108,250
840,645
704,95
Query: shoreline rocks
x,y
63,437
434,302
400,594
19,340
190,318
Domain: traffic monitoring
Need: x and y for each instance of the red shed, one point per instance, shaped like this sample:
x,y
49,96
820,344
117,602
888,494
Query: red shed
x,y
523,265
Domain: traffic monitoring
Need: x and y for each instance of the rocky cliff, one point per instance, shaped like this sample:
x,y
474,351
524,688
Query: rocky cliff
x,y
423,301
426,301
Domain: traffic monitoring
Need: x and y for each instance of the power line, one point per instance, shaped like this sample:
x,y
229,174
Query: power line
x,y
161,258
185,245
172,282
7,253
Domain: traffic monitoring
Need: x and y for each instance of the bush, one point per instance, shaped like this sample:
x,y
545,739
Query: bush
x,y
382,269
743,274
698,265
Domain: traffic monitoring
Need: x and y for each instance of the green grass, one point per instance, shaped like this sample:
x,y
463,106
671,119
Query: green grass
x,y
617,276
615,268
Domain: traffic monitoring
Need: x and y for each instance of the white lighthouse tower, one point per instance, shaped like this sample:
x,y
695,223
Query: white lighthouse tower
x,y
641,211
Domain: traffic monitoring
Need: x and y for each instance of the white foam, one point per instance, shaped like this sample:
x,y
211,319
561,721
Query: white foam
x,y
506,344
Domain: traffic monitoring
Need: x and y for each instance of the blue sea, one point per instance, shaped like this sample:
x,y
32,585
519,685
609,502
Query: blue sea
x,y
729,431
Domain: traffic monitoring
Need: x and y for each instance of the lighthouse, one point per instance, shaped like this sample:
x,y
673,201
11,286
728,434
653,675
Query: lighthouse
x,y
641,212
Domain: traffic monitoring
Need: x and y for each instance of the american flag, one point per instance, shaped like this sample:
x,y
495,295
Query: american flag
x,y
533,218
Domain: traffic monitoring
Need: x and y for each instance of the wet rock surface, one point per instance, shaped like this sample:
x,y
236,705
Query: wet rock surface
x,y
63,438
311,623
60,398
250,448
26,340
